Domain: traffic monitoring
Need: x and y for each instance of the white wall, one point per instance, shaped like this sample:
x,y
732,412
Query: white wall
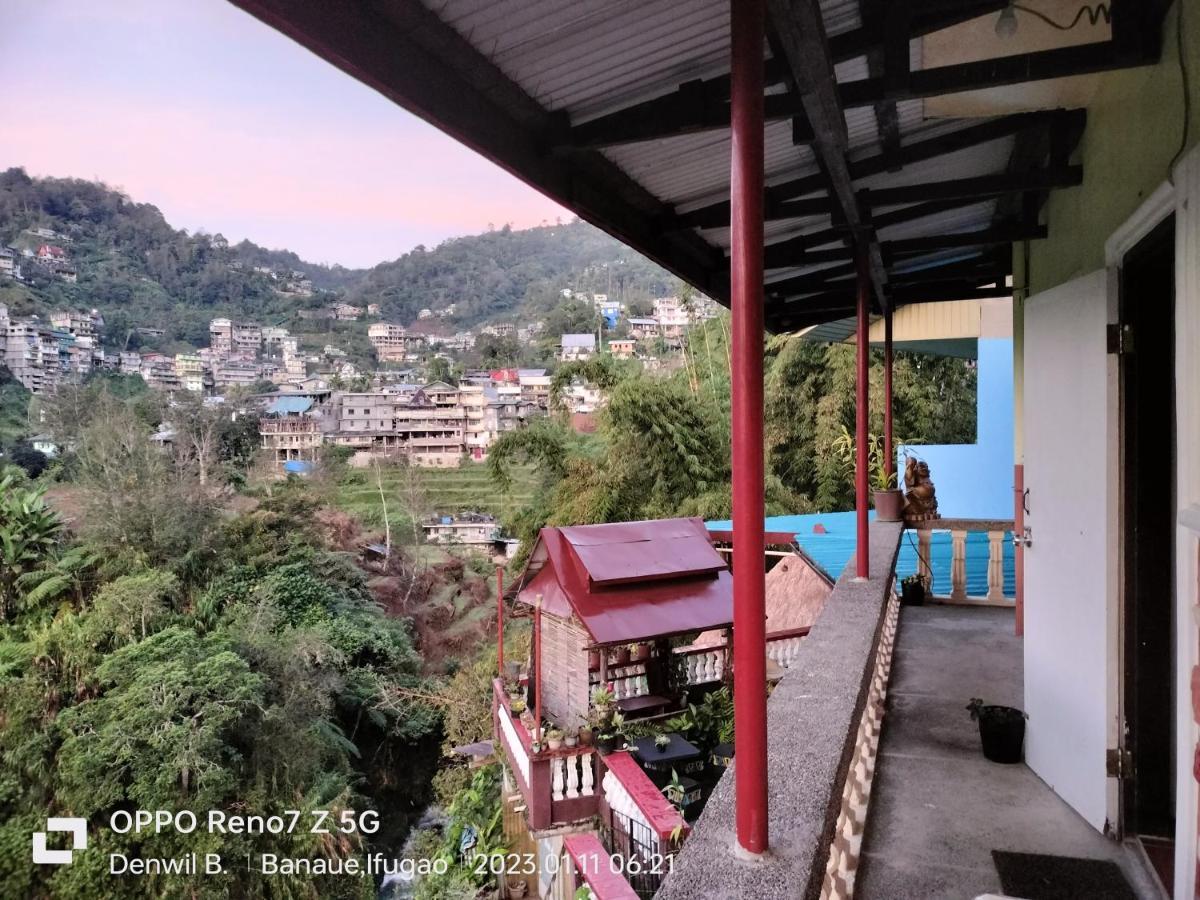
x,y
1187,585
1067,591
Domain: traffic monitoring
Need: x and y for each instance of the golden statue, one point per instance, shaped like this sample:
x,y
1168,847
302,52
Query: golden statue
x,y
920,496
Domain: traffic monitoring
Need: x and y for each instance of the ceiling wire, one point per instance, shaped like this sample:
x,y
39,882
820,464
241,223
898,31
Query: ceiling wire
x,y
1187,93
1093,13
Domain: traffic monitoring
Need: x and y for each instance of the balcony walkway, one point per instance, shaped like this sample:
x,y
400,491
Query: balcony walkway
x,y
938,808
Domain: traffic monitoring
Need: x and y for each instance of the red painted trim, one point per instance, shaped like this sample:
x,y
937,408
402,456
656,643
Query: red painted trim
x,y
594,866
889,449
663,817
1019,553
862,383
746,279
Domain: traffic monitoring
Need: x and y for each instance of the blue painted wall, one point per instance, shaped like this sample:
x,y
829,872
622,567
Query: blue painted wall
x,y
975,481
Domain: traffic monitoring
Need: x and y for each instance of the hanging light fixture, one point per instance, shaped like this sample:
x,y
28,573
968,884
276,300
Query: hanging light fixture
x,y
1006,25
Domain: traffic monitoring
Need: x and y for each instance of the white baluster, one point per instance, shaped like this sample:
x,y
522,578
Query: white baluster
x,y
995,569
718,665
587,766
556,789
958,566
924,556
691,669
572,776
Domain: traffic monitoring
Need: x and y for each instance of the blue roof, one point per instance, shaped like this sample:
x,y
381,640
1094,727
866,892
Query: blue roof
x,y
834,549
285,405
298,466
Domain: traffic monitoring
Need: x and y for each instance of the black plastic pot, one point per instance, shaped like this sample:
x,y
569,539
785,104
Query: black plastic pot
x,y
912,593
1002,733
605,744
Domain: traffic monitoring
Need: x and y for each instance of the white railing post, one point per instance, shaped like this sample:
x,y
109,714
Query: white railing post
x,y
587,763
995,569
958,566
924,549
556,789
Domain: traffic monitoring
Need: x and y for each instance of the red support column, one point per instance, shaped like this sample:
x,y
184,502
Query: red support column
x,y
537,672
861,501
500,620
749,542
889,448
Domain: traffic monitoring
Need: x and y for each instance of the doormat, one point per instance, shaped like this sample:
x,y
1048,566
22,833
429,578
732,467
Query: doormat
x,y
1034,876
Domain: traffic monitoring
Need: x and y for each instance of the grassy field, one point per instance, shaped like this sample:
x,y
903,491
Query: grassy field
x,y
443,491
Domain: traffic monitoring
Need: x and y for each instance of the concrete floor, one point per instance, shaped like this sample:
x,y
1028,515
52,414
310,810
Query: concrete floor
x,y
938,808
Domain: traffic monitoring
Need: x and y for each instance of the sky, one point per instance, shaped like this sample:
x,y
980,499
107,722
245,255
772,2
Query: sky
x,y
227,125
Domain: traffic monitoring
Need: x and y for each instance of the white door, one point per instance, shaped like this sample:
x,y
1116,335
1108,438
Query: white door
x,y
1067,422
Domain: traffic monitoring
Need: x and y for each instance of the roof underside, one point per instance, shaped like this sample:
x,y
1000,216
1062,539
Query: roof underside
x,y
618,109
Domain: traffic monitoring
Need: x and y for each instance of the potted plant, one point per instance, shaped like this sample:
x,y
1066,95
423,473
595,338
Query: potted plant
x,y
585,732
912,590
619,656
1001,731
639,652
516,705
593,660
602,697
517,887
662,742
889,502
571,739
554,739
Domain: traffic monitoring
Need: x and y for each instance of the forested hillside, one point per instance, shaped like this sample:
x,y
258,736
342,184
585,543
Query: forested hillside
x,y
507,271
142,272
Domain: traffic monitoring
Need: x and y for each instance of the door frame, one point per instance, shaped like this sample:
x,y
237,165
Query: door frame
x,y
1154,210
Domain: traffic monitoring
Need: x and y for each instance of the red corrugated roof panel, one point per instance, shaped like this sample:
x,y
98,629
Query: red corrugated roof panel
x,y
631,581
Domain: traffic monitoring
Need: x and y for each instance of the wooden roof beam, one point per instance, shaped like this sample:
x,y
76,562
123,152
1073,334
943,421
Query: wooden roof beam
x,y
716,215
799,27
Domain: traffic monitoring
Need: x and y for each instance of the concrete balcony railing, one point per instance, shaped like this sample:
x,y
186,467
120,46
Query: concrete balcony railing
x,y
558,786
967,537
823,724
707,664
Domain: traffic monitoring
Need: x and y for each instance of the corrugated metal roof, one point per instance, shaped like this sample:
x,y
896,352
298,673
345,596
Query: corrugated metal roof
x,y
289,405
592,57
630,581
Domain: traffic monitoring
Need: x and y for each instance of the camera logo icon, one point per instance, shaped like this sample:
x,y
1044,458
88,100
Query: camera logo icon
x,y
77,828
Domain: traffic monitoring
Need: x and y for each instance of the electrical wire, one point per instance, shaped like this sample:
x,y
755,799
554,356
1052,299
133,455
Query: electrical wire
x,y
1187,94
1094,14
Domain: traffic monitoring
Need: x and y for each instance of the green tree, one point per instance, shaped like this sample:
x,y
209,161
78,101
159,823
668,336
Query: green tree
x,y
28,531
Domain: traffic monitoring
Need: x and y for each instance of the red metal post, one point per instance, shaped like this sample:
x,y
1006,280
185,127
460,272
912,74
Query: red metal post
x,y
537,671
746,281
500,620
889,449
861,501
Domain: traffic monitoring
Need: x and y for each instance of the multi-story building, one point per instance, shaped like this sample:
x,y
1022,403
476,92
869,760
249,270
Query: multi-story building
x,y
347,313
469,529
622,348
535,386
291,429
293,362
576,346
500,329
642,328
247,339
390,341
235,374
220,336
272,339
79,324
417,429
8,262
189,369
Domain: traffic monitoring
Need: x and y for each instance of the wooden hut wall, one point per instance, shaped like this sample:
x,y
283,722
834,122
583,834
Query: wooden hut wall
x,y
565,691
